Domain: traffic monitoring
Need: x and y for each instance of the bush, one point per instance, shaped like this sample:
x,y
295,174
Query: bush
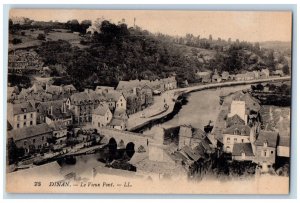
x,y
16,41
41,37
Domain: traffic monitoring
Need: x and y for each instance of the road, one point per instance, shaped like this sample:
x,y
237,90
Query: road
x,y
169,98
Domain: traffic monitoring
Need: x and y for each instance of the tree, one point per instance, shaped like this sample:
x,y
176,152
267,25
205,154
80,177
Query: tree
x,y
41,36
12,151
286,69
16,41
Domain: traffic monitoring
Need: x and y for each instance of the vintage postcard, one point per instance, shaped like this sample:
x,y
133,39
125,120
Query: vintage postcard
x,y
149,101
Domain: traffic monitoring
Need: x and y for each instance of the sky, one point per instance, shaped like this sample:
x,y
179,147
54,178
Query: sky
x,y
252,26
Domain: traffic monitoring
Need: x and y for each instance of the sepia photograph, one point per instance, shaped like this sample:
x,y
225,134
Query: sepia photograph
x,y
148,101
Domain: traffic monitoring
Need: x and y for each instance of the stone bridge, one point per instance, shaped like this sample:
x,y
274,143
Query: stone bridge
x,y
128,137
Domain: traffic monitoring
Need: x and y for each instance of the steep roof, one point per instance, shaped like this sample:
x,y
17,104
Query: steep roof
x,y
251,102
27,132
54,89
22,108
239,148
267,136
121,114
234,120
113,95
57,111
101,109
284,141
69,88
58,125
192,154
116,122
242,130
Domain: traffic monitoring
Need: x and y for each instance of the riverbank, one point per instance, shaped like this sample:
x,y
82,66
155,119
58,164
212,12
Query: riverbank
x,y
136,123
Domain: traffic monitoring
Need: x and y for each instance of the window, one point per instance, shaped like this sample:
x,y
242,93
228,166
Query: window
x,y
236,131
24,123
31,115
24,116
242,140
121,104
30,122
25,142
98,124
271,152
265,153
18,117
235,139
228,138
18,125
33,141
43,138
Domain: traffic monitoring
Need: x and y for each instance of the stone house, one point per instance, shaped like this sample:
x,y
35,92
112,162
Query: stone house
x,y
82,104
238,108
118,123
265,148
242,152
204,77
60,131
101,116
236,134
216,78
31,138
53,111
21,115
264,73
225,75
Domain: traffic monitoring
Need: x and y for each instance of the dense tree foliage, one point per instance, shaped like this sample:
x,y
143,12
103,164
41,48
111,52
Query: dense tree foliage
x,y
117,54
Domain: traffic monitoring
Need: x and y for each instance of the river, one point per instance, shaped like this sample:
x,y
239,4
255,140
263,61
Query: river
x,y
202,106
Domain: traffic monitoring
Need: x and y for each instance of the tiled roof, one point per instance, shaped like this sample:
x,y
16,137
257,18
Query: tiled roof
x,y
236,119
116,122
22,108
243,130
192,154
57,112
284,141
101,109
54,89
27,132
58,125
69,88
239,148
113,95
267,136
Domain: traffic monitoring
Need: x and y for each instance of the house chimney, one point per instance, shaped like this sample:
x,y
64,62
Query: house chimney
x,y
51,110
63,108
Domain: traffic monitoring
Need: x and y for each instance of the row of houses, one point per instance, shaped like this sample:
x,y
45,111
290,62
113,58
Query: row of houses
x,y
243,137
208,77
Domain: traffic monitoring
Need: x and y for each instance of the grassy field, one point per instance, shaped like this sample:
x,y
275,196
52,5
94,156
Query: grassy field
x,y
30,38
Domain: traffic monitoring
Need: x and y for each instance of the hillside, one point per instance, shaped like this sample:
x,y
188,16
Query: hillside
x,y
120,53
